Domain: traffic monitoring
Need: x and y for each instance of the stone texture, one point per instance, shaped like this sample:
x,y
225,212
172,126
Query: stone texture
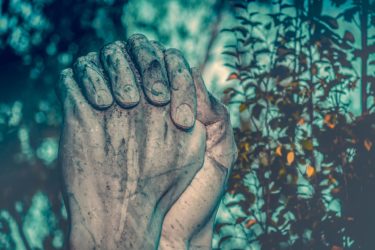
x,y
140,172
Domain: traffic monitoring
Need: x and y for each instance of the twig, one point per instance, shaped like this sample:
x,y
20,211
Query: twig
x,y
214,33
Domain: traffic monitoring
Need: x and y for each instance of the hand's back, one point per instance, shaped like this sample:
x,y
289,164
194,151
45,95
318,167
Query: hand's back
x,y
131,145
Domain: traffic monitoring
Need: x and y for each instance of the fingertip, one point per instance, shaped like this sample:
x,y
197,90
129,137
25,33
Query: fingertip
x,y
134,42
91,77
103,99
127,96
158,46
68,91
184,116
183,96
120,72
150,64
158,94
135,38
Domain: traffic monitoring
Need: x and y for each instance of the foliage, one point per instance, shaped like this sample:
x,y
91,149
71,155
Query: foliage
x,y
306,156
301,83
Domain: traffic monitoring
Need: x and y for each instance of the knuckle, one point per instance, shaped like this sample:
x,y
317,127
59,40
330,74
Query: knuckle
x,y
68,72
65,75
158,45
81,61
136,40
119,43
137,36
92,56
175,60
173,52
110,49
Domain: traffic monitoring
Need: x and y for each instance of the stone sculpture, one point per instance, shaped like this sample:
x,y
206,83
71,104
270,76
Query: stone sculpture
x,y
145,150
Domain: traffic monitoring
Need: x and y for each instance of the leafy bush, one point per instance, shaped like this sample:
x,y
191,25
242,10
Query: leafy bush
x,y
305,169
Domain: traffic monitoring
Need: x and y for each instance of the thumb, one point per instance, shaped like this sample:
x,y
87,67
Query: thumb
x,y
209,109
220,143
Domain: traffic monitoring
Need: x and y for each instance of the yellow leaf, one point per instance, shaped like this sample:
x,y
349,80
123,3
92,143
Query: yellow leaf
x,y
327,118
270,98
246,147
282,172
290,157
307,144
244,157
294,84
301,121
237,176
263,159
310,171
249,223
332,180
278,150
243,107
331,125
368,144
328,121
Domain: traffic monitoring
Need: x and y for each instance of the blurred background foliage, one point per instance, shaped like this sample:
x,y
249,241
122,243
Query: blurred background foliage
x,y
298,77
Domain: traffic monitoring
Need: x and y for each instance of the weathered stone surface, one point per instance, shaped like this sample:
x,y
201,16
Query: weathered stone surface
x,y
141,172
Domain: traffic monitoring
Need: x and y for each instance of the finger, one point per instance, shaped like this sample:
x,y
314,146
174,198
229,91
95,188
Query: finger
x,y
90,76
150,67
183,97
69,93
123,81
209,109
202,195
159,50
220,144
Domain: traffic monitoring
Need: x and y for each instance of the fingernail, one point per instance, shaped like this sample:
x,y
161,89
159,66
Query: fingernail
x,y
159,89
103,98
184,116
128,95
94,88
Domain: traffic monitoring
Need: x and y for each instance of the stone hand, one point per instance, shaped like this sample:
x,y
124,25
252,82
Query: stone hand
x,y
131,146
189,223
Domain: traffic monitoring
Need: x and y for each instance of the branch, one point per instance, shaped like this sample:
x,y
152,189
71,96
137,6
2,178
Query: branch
x,y
214,33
